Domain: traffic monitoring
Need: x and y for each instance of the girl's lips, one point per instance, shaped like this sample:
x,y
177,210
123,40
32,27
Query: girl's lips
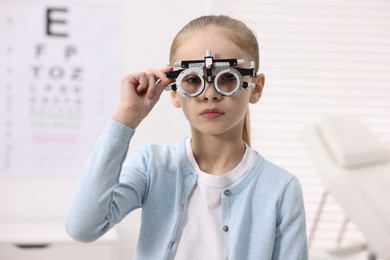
x,y
211,113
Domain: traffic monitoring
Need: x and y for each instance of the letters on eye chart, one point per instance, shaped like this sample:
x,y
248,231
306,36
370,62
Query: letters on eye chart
x,y
57,66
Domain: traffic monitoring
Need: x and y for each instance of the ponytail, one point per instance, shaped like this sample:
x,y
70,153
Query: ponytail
x,y
246,131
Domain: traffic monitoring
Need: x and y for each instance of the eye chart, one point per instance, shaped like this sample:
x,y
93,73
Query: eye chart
x,y
60,68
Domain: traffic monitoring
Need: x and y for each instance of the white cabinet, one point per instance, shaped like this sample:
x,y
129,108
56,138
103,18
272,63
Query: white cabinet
x,y
48,241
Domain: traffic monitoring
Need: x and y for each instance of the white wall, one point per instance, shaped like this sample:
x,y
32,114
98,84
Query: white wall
x,y
148,28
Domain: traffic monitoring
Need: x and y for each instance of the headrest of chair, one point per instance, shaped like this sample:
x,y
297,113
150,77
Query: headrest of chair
x,y
350,142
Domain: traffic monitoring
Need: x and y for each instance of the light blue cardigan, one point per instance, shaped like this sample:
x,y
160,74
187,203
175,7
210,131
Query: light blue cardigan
x,y
263,216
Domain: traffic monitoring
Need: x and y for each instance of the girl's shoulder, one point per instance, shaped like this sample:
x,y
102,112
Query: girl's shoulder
x,y
158,155
270,172
162,149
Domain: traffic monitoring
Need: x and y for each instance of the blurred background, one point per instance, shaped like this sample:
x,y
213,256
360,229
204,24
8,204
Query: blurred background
x,y
60,68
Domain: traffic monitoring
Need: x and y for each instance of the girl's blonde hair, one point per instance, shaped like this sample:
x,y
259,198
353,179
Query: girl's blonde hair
x,y
236,31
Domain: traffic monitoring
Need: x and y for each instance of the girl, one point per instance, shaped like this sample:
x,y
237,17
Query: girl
x,y
209,196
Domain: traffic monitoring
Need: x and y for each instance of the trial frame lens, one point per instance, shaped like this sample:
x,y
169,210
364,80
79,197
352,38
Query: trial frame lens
x,y
190,82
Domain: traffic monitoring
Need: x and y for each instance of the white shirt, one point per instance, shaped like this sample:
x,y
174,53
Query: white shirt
x,y
202,236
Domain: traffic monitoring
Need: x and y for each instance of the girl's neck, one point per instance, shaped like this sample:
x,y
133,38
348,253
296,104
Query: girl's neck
x,y
217,155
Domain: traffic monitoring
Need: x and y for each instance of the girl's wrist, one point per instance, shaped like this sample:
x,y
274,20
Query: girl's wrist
x,y
130,119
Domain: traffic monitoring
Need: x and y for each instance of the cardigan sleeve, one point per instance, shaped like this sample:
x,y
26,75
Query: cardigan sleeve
x,y
100,200
290,239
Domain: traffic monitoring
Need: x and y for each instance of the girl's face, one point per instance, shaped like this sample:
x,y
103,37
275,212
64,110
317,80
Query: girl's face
x,y
210,113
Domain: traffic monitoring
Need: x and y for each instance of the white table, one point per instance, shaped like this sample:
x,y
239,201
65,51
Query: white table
x,y
363,192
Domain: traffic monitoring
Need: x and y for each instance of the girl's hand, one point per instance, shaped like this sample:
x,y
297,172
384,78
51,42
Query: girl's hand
x,y
139,93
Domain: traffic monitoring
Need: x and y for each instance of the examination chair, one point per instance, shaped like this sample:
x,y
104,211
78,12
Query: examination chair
x,y
355,168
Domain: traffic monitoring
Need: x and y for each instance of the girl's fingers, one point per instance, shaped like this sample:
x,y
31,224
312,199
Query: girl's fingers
x,y
152,86
143,84
139,93
166,69
150,83
158,81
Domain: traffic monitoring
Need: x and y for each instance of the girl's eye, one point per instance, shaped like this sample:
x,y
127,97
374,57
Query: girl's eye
x,y
193,80
228,77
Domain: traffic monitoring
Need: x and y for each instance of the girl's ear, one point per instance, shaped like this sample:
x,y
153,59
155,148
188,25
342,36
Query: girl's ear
x,y
175,99
258,90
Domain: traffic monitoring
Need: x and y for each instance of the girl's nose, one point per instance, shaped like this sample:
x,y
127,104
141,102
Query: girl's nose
x,y
210,93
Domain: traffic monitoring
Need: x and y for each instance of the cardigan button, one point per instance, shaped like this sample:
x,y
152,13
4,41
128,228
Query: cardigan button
x,y
225,228
227,192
